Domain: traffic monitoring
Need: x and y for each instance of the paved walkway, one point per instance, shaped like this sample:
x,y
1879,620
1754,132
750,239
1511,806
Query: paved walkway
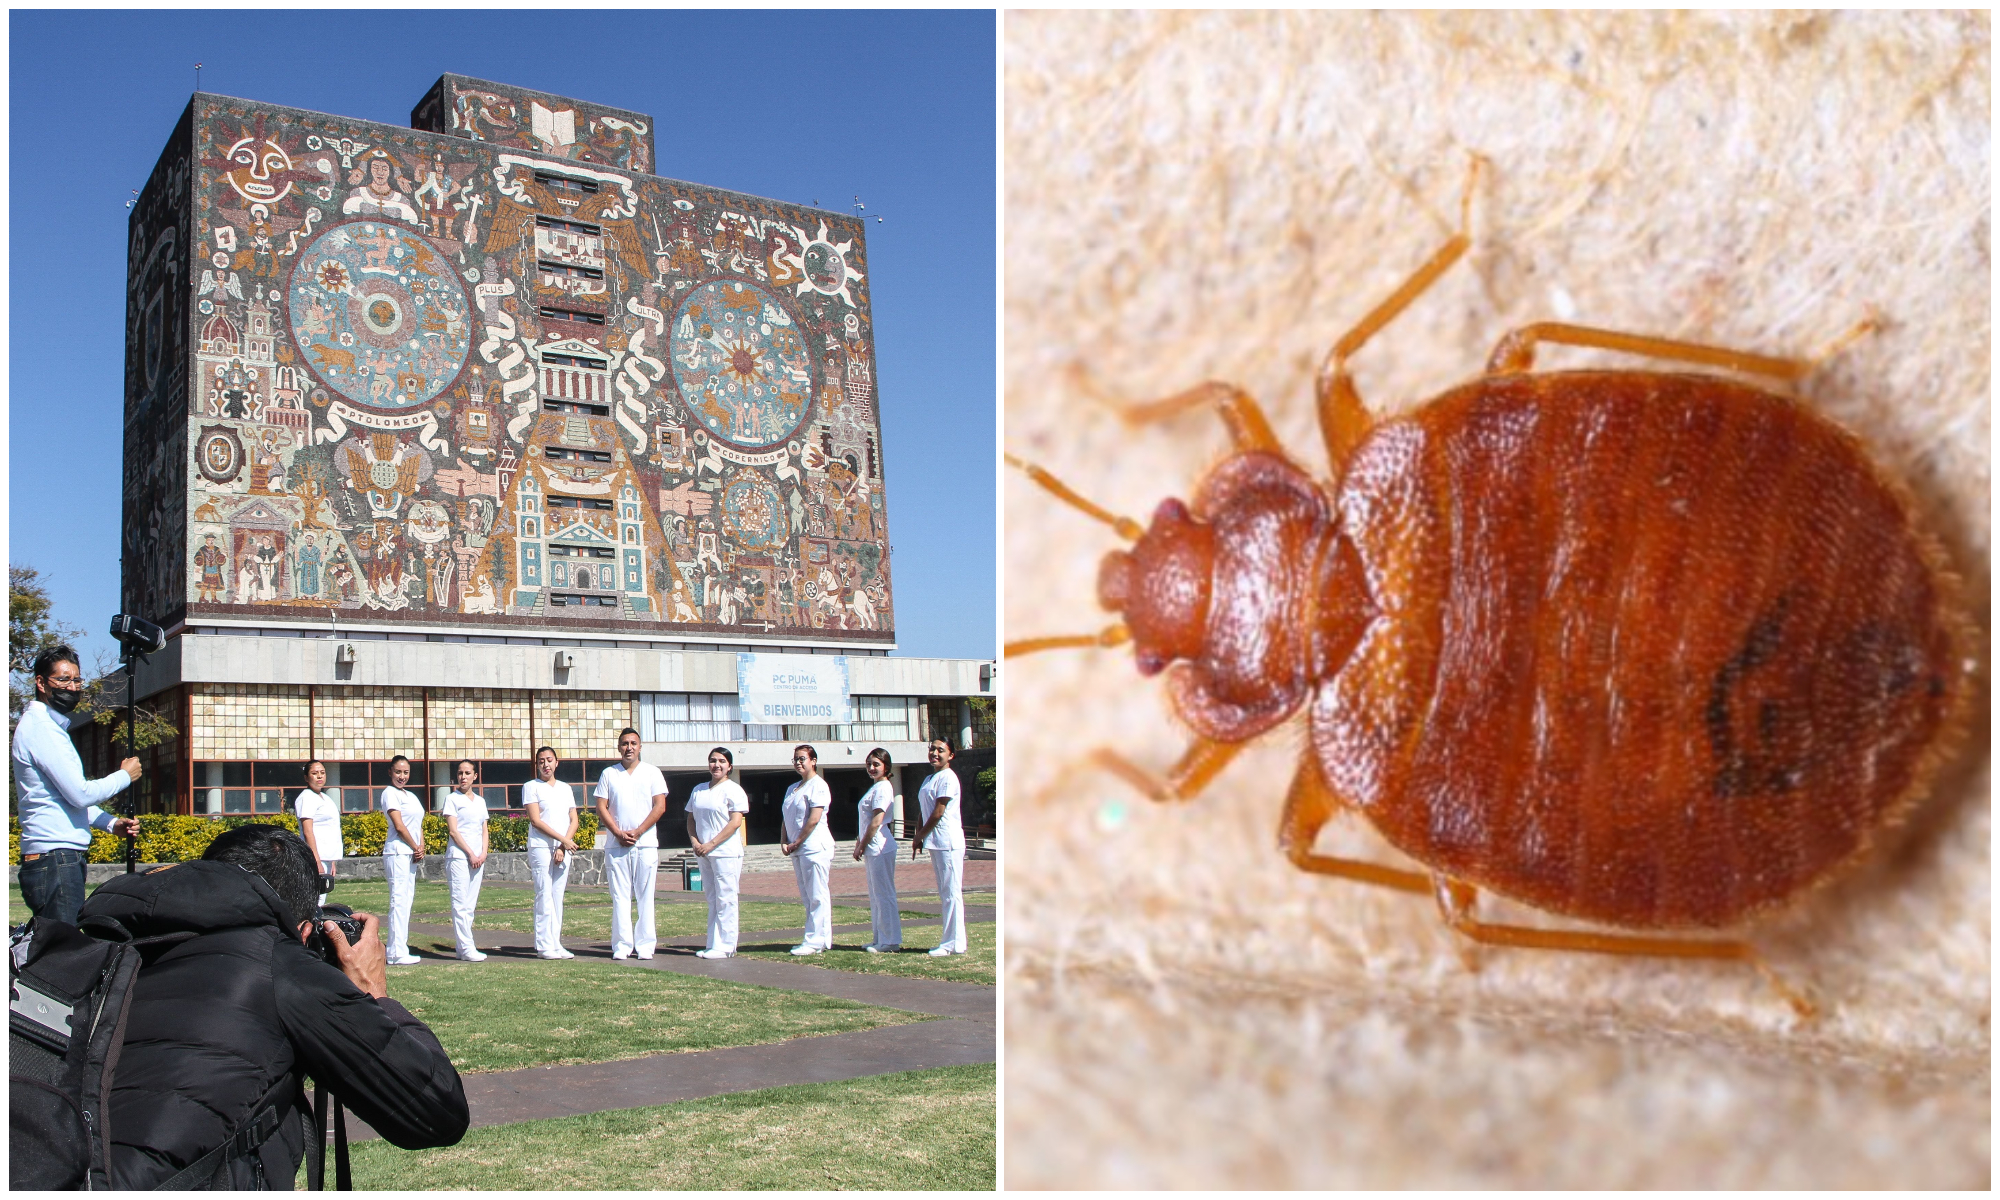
x,y
966,1035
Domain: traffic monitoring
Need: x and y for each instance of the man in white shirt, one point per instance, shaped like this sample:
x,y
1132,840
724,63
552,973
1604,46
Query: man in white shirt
x,y
631,799
58,806
944,837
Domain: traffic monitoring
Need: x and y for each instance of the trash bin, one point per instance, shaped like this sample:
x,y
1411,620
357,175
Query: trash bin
x,y
690,876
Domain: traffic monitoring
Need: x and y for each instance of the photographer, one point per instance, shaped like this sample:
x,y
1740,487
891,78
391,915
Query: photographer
x,y
58,806
230,1019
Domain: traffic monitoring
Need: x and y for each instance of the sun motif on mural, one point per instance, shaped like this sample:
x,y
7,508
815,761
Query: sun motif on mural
x,y
741,367
333,277
829,267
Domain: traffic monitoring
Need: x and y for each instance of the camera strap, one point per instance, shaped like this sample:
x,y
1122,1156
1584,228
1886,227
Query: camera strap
x,y
343,1172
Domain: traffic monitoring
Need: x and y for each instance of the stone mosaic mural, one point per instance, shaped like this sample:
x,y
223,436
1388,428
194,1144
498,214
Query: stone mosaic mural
x,y
509,378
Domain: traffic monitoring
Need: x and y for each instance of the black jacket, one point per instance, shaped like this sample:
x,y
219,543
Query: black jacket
x,y
221,1019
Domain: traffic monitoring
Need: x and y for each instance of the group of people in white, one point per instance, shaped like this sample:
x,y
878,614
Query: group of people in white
x,y
631,799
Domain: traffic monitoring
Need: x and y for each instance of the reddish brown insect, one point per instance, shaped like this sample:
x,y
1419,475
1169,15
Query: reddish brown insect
x,y
1659,652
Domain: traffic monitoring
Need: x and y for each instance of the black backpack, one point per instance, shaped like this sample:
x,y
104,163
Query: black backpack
x,y
70,991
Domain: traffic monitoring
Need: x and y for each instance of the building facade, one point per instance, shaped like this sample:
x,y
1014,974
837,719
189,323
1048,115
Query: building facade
x,y
454,440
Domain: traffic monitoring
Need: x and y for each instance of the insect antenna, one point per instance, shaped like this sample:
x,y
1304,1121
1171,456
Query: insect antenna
x,y
1127,528
1112,635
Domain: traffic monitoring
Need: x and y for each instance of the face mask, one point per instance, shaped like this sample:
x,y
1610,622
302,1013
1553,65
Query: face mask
x,y
63,700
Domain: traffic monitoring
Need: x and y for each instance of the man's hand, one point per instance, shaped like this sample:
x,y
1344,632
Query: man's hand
x,y
365,962
131,767
124,827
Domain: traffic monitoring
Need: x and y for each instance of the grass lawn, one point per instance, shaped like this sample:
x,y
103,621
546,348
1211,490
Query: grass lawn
x,y
917,1130
976,965
501,1014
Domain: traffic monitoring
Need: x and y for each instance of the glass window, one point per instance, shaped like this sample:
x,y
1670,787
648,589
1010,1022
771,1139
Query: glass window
x,y
236,800
356,800
269,800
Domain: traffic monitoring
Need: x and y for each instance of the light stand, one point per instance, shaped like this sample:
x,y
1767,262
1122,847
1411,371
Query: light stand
x,y
137,638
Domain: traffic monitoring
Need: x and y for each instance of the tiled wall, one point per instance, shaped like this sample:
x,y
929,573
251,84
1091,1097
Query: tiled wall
x,y
582,724
368,723
258,721
268,722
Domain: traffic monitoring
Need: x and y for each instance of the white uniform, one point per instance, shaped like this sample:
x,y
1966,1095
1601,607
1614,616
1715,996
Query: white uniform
x,y
631,870
812,861
558,804
400,864
722,867
886,920
465,879
946,844
324,812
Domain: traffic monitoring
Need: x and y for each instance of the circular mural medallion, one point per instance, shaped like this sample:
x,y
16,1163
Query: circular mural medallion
x,y
753,512
741,363
380,315
219,454
825,267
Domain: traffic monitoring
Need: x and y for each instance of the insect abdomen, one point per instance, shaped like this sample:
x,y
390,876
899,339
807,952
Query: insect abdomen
x,y
1665,649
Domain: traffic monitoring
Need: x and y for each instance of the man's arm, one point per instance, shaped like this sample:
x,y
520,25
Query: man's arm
x,y
54,755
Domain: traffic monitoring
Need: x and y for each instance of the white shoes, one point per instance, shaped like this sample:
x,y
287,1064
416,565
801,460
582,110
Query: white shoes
x,y
645,957
621,957
557,956
895,949
471,956
805,950
715,954
945,952
410,961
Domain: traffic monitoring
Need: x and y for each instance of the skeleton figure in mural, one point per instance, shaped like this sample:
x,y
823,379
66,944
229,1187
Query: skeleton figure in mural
x,y
377,197
211,559
308,567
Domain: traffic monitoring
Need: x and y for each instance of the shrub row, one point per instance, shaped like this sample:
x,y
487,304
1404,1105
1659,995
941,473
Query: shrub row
x,y
183,839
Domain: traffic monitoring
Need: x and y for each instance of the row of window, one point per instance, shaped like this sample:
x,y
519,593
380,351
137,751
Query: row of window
x,y
718,717
561,454
571,406
568,226
578,502
561,551
570,272
574,600
564,183
570,314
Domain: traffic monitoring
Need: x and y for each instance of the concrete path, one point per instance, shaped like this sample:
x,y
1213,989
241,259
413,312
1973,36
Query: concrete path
x,y
967,1034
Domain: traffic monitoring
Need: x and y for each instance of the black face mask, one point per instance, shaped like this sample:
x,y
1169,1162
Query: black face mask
x,y
64,700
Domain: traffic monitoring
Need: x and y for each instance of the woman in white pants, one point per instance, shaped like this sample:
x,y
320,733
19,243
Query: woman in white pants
x,y
402,850
945,839
465,858
879,850
810,846
319,818
715,812
552,824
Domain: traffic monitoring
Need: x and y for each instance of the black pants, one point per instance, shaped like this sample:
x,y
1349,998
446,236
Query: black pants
x,y
52,885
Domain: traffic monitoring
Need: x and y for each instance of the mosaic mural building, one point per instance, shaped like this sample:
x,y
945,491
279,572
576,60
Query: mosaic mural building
x,y
490,370
490,380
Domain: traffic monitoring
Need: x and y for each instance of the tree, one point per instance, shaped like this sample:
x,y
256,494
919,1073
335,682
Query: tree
x,y
31,628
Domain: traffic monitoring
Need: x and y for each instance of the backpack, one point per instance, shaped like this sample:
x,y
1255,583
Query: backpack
x,y
70,992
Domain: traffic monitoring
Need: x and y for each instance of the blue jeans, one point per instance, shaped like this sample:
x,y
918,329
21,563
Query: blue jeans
x,y
52,885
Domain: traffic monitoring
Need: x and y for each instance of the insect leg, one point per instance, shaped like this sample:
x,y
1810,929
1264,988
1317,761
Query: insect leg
x,y
1343,419
1248,429
1455,901
1203,761
1308,807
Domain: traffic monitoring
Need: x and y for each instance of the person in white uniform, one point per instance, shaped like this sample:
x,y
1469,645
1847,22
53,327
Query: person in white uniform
x,y
875,847
942,835
401,852
810,845
319,818
631,799
552,823
465,857
715,815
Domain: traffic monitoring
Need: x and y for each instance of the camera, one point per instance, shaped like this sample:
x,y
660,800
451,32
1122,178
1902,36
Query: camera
x,y
340,915
138,635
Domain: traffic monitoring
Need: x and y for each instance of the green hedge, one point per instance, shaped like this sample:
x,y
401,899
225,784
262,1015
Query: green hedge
x,y
183,839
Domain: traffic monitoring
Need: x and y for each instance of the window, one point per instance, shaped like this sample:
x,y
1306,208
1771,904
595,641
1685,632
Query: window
x,y
881,719
568,226
577,502
568,600
570,272
570,314
582,551
570,406
559,454
563,183
691,717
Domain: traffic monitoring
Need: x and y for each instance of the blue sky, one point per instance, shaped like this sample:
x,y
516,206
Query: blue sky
x,y
895,106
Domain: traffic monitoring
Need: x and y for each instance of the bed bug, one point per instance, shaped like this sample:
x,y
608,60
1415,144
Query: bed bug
x,y
1656,652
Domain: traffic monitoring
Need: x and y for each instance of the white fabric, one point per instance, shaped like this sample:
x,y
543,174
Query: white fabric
x,y
811,874
58,806
411,809
471,814
710,806
884,917
880,798
631,796
947,834
950,868
324,812
557,803
550,881
805,794
719,878
630,871
464,897
402,872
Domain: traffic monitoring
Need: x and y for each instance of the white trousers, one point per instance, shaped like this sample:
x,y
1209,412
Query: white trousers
x,y
719,877
950,868
402,872
550,881
464,896
812,874
883,915
630,871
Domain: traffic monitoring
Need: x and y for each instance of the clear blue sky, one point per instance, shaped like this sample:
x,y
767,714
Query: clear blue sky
x,y
818,106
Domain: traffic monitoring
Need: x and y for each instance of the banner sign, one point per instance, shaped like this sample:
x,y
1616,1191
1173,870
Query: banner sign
x,y
793,689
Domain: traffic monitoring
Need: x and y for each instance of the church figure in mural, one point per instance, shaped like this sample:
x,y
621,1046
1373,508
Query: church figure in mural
x,y
308,566
267,570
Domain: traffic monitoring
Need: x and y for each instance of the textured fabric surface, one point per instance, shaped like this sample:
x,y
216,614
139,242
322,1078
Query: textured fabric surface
x,y
1220,196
